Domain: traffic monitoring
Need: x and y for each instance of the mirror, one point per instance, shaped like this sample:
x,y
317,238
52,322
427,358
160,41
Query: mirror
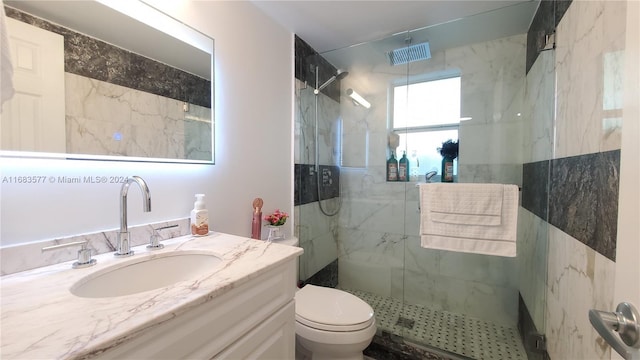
x,y
107,79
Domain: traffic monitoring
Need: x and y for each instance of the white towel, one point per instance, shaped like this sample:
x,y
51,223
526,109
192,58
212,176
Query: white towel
x,y
6,69
468,204
466,218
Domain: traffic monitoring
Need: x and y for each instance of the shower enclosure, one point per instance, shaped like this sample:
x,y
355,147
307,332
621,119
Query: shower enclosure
x,y
464,87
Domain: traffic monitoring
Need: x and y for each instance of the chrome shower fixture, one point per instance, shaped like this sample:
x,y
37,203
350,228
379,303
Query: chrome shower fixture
x,y
409,54
340,74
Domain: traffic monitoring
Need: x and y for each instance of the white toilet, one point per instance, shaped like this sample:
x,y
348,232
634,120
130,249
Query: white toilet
x,y
332,324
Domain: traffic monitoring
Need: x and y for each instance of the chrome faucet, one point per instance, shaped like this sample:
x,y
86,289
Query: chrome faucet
x,y
429,175
123,248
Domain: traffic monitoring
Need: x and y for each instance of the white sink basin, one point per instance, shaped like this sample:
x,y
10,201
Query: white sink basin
x,y
145,273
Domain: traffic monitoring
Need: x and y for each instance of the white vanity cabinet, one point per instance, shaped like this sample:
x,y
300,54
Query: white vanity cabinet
x,y
252,320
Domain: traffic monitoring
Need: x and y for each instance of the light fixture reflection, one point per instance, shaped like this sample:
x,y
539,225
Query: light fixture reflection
x,y
358,99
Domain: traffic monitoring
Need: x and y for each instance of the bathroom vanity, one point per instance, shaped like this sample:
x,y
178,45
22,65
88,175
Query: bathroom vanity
x,y
239,307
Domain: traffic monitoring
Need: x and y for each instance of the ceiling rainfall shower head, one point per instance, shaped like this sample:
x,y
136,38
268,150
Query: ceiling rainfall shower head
x,y
409,54
340,74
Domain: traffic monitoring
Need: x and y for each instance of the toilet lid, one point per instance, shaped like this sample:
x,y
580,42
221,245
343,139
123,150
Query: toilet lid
x,y
331,309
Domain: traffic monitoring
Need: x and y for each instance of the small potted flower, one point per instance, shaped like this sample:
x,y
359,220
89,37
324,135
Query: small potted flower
x,y
274,223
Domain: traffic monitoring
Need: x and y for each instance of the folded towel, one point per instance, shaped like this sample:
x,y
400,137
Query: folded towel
x,y
469,204
6,69
461,226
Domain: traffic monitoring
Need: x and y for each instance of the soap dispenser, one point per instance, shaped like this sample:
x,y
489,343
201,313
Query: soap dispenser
x,y
199,217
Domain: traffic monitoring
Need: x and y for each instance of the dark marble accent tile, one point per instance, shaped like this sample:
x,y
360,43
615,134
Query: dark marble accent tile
x,y
543,23
89,57
306,183
527,329
387,347
583,199
327,276
306,60
561,7
535,187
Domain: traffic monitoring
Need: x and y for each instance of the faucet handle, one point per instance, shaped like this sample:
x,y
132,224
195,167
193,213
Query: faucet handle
x,y
154,240
84,254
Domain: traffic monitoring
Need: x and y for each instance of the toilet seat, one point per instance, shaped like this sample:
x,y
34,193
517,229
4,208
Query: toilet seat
x,y
330,309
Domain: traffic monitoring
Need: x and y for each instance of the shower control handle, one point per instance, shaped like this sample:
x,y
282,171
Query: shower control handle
x,y
626,322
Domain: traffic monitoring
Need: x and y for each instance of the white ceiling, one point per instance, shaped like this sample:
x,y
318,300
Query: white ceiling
x,y
328,24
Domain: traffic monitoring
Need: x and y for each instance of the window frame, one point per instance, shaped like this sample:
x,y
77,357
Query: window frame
x,y
424,128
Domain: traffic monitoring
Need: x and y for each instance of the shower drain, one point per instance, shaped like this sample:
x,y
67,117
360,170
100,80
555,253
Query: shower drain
x,y
405,322
454,333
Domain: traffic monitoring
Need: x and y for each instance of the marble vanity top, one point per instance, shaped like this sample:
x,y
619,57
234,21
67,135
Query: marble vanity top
x,y
41,319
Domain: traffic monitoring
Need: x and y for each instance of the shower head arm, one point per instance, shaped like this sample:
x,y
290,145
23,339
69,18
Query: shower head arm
x,y
339,75
326,83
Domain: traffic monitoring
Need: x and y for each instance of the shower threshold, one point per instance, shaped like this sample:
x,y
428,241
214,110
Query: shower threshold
x,y
452,333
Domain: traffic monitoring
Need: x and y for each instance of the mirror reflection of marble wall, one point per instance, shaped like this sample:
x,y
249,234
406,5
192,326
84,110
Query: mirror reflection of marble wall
x,y
119,103
108,119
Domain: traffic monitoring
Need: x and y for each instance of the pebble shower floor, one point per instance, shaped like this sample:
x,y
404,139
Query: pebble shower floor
x,y
455,333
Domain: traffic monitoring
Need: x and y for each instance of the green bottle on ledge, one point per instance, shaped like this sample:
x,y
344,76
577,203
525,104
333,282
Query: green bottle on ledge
x,y
392,168
403,168
447,169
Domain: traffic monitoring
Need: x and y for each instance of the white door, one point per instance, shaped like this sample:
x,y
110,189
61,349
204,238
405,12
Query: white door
x,y
34,119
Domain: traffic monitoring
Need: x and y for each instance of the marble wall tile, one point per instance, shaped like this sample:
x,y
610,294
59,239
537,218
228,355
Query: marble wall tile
x,y
457,282
579,279
531,262
317,234
30,256
539,110
371,261
329,124
583,199
92,58
587,72
492,77
490,173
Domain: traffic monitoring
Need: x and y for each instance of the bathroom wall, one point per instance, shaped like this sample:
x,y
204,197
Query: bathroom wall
x,y
581,172
589,41
379,246
245,136
316,232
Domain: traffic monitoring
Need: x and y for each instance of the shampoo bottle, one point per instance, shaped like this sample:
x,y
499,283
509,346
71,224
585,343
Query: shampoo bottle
x,y
199,217
392,168
403,168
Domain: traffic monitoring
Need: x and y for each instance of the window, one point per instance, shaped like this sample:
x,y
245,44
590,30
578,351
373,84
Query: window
x,y
426,114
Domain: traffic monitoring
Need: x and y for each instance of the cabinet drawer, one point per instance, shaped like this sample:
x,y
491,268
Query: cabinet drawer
x,y
273,339
214,325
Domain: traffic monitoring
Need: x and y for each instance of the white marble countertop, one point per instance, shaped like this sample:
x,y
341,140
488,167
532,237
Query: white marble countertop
x,y
41,319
